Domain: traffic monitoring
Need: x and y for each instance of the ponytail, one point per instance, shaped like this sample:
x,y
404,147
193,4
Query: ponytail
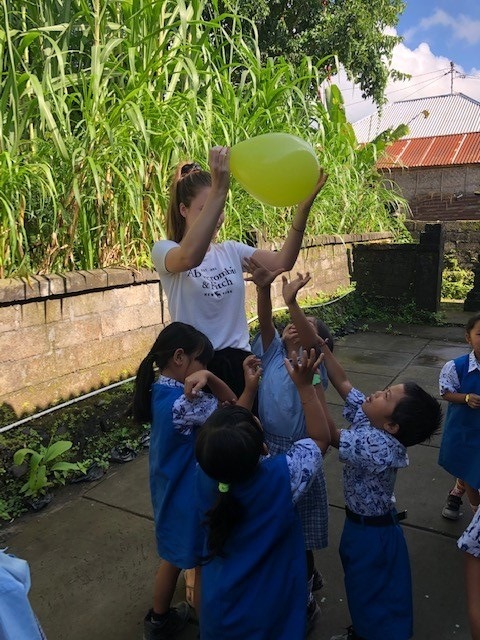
x,y
188,181
228,449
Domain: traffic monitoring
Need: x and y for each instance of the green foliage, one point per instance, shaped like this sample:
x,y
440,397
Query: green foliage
x,y
352,33
45,469
456,281
99,103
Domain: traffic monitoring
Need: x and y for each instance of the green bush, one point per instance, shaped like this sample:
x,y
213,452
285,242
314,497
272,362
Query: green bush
x,y
456,281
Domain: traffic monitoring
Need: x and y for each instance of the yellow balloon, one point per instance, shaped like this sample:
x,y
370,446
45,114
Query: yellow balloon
x,y
275,168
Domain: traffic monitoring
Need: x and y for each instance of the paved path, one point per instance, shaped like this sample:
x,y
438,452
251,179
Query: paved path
x,y
92,552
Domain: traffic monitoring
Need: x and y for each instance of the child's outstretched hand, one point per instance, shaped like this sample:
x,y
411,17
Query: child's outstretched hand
x,y
252,372
290,289
301,370
259,274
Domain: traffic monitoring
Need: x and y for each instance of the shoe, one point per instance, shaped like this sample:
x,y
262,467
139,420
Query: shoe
x,y
451,509
168,628
313,615
317,580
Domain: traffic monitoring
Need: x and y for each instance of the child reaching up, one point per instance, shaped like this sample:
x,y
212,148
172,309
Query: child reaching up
x,y
460,449
279,405
372,548
176,406
254,582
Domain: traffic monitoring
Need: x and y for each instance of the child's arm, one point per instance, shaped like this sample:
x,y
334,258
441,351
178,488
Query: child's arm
x,y
196,381
336,372
306,333
302,375
334,432
263,279
252,372
471,399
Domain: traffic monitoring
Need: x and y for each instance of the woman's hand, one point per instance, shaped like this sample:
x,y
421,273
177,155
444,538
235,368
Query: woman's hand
x,y
473,401
290,289
219,163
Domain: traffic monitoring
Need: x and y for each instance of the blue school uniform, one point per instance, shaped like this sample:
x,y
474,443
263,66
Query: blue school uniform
x,y
460,447
374,558
281,414
17,619
258,588
172,470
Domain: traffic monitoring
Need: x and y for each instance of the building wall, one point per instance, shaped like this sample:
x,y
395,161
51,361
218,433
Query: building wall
x,y
64,335
440,193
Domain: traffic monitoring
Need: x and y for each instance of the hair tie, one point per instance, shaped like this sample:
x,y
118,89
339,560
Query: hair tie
x,y
223,487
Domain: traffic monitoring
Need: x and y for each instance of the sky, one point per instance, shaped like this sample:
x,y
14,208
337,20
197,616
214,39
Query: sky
x,y
435,33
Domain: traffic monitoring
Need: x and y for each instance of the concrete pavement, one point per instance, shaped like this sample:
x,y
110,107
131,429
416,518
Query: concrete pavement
x,y
92,551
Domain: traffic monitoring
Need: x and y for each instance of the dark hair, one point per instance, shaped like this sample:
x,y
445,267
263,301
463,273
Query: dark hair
x,y
418,414
188,181
323,331
472,322
228,448
176,335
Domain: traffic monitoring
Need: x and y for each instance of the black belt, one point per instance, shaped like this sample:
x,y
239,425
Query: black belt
x,y
376,521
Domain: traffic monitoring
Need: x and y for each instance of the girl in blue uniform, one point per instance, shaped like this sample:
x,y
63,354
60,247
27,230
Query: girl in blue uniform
x,y
279,406
254,580
176,406
460,448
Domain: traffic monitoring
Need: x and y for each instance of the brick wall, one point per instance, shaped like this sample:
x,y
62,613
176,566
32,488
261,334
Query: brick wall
x,y
440,193
64,335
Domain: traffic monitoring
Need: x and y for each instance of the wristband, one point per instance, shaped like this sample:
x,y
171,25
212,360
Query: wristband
x,y
467,398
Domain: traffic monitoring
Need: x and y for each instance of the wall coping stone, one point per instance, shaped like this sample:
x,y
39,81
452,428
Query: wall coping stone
x,y
43,287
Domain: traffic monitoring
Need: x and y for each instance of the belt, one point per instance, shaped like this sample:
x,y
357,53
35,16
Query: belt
x,y
376,521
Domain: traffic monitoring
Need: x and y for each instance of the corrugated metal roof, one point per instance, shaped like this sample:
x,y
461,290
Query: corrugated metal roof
x,y
447,115
435,151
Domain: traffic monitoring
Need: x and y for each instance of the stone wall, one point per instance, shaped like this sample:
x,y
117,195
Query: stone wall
x,y
64,335
403,272
462,238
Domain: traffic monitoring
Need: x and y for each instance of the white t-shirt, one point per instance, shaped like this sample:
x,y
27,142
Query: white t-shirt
x,y
211,297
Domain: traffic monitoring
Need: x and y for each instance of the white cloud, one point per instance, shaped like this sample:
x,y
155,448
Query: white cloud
x,y
461,27
430,77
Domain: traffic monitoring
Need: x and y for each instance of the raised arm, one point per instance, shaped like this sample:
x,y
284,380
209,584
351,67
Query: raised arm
x,y
252,372
196,381
334,432
288,254
306,333
198,235
263,279
302,375
336,372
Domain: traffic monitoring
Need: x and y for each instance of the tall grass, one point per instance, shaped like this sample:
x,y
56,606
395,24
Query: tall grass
x,y
100,99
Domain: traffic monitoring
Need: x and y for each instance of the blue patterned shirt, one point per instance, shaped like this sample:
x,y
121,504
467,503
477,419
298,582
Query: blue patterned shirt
x,y
448,380
372,457
469,541
304,459
187,414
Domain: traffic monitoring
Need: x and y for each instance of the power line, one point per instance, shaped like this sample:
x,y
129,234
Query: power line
x,y
388,93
